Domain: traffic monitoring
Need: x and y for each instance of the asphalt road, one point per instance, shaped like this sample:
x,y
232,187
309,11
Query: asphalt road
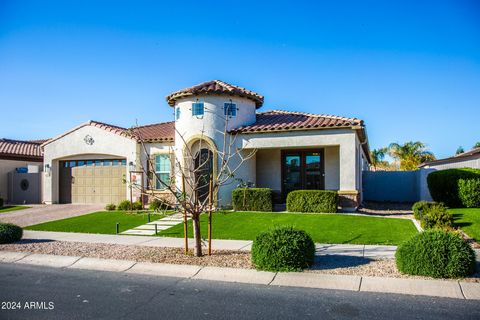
x,y
45,293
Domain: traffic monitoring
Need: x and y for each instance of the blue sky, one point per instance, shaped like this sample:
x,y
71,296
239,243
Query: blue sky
x,y
410,69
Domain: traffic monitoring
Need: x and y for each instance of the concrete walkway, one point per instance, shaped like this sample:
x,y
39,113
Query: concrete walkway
x,y
438,288
151,228
44,213
366,251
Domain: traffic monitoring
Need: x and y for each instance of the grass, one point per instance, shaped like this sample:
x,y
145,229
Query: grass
x,y
12,208
98,222
323,228
468,219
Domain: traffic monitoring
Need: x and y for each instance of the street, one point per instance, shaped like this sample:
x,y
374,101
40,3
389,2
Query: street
x,y
32,292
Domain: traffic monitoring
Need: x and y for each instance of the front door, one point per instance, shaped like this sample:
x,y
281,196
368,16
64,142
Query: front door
x,y
302,170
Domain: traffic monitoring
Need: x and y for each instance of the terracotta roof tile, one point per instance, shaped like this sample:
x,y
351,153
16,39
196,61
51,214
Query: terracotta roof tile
x,y
158,132
19,148
215,87
278,120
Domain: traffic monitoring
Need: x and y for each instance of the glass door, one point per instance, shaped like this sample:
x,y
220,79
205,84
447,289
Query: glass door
x,y
302,170
292,173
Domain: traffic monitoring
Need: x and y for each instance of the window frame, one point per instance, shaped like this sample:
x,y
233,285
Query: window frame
x,y
156,185
230,106
195,106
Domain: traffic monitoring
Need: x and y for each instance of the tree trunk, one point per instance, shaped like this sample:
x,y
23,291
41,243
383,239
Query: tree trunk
x,y
197,236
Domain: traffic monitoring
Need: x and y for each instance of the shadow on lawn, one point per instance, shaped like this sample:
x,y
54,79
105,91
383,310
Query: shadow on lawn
x,y
457,216
327,262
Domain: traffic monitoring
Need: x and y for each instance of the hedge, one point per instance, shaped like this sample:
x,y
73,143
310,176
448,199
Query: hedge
x,y
419,207
437,254
437,216
283,249
312,201
443,184
469,192
252,199
10,233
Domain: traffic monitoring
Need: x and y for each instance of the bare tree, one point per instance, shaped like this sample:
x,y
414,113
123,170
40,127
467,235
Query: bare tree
x,y
197,190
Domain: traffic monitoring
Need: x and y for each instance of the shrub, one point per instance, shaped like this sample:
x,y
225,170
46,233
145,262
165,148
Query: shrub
x,y
137,205
443,184
437,216
312,201
419,207
155,205
125,205
252,199
469,192
437,254
110,207
283,249
10,233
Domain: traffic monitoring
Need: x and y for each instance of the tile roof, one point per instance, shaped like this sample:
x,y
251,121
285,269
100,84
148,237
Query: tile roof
x,y
157,132
21,149
277,120
458,157
215,87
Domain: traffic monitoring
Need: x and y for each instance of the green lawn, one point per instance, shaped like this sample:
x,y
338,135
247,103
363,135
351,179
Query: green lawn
x,y
12,208
468,219
324,228
97,222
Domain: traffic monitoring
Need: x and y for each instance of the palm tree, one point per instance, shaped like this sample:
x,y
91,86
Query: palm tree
x,y
476,145
410,154
377,156
459,150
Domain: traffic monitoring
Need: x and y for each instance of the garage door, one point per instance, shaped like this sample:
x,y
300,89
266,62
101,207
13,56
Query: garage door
x,y
92,181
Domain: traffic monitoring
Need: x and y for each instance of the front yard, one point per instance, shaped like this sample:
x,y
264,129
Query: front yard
x,y
12,208
468,219
324,228
98,222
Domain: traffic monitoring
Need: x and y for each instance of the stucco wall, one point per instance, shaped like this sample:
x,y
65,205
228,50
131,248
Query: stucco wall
x,y
269,168
72,146
7,166
211,127
344,139
332,168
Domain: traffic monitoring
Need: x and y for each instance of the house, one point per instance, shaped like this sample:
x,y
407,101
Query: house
x,y
18,155
294,150
469,159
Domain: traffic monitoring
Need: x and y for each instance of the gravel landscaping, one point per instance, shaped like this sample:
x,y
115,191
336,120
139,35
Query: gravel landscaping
x,y
234,259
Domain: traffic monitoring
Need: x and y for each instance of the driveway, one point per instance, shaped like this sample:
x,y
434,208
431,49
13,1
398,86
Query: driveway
x,y
43,213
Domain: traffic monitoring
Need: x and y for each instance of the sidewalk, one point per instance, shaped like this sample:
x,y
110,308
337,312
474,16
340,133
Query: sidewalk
x,y
366,251
438,288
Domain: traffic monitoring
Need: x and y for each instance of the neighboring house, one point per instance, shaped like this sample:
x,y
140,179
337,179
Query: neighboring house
x,y
18,154
90,163
469,159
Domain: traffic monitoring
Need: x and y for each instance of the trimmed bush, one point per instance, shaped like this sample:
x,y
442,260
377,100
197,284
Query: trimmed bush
x,y
419,207
155,205
443,184
10,233
252,199
125,205
437,216
137,205
283,249
437,254
110,207
469,192
312,201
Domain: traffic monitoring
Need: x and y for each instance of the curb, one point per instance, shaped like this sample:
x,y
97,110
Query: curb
x,y
420,287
